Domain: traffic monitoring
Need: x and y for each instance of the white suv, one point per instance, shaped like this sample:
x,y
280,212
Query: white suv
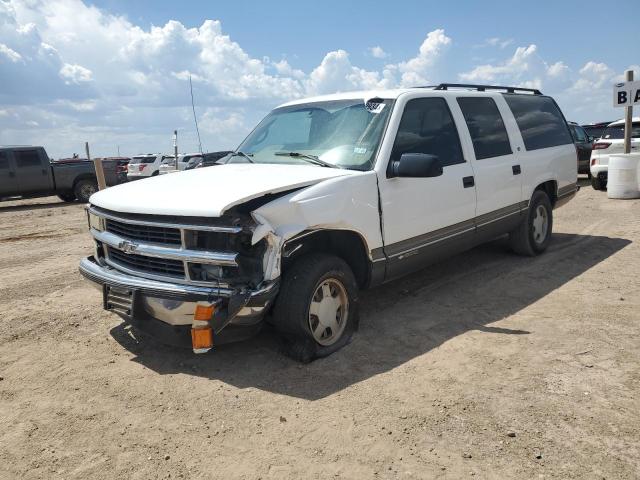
x,y
143,166
327,196
611,142
184,160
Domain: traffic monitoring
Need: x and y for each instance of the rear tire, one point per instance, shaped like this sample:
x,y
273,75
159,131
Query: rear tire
x,y
84,189
597,183
67,197
316,311
532,236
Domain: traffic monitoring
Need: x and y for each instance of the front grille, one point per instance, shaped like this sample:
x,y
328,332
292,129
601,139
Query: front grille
x,y
145,233
158,266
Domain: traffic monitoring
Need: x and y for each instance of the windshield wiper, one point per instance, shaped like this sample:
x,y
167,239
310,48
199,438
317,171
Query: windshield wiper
x,y
309,158
242,154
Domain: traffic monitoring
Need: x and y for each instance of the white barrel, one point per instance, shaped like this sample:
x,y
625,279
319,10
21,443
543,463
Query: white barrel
x,y
623,176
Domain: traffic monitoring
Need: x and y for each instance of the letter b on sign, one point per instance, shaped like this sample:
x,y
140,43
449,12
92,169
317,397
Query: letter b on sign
x,y
622,98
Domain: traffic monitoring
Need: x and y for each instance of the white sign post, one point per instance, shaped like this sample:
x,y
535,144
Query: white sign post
x,y
626,95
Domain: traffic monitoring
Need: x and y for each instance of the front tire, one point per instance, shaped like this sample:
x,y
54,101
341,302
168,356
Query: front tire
x,y
84,189
316,311
532,236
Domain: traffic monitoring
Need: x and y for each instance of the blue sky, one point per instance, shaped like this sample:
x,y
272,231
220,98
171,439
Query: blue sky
x,y
115,72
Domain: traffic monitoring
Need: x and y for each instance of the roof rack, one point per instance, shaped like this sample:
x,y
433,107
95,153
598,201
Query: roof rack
x,y
482,88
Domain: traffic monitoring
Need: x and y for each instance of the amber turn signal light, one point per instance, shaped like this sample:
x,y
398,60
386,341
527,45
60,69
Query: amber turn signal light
x,y
204,312
201,338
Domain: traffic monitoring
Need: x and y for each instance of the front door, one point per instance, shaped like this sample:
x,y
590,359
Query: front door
x,y
33,171
8,181
425,218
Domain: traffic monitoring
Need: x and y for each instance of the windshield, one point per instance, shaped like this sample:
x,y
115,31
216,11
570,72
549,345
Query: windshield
x,y
616,132
342,133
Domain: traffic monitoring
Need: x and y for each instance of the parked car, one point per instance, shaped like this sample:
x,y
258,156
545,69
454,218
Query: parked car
x,y
611,142
143,166
594,130
209,159
325,197
115,169
583,144
184,160
28,172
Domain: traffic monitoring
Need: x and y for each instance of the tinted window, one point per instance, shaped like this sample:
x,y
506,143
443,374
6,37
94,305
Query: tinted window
x,y
579,135
486,127
427,127
540,121
616,132
27,158
595,132
4,161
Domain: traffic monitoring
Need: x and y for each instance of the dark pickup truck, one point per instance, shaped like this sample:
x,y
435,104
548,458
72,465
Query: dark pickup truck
x,y
28,172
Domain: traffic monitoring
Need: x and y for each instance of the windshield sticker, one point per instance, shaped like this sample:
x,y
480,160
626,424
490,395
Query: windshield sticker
x,y
360,150
373,106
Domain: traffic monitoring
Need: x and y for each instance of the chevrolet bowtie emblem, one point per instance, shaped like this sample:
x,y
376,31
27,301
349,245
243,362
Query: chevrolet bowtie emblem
x,y
127,247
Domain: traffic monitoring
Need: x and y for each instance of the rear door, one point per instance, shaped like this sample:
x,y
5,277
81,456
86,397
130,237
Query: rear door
x,y
497,169
33,171
8,180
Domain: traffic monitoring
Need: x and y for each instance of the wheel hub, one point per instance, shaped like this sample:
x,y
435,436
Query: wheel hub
x,y
328,311
540,224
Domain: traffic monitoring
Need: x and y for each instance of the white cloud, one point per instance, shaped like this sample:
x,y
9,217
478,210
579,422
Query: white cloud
x,y
75,73
9,53
378,52
416,70
495,42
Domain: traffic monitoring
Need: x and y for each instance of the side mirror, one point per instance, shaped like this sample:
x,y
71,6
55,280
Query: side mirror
x,y
417,165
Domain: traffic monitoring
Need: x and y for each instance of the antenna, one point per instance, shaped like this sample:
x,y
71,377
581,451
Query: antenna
x,y
195,119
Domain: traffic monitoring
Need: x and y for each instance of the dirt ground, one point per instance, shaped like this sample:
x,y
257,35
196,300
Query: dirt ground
x,y
487,365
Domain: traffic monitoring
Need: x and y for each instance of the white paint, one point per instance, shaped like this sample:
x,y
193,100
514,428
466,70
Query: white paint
x,y
622,181
209,191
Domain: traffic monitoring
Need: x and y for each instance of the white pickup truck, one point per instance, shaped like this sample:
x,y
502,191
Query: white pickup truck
x,y
327,196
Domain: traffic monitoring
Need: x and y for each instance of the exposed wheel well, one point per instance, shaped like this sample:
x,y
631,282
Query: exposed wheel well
x,y
348,245
551,189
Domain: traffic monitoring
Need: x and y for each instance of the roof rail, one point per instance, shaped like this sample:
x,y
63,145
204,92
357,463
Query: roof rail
x,y
482,88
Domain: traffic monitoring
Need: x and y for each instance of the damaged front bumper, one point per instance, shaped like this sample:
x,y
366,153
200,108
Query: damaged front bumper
x,y
166,310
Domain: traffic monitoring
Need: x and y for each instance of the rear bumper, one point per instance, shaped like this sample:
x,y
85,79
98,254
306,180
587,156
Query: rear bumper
x,y
165,310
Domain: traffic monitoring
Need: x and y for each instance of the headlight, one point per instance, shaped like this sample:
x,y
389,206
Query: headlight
x,y
95,221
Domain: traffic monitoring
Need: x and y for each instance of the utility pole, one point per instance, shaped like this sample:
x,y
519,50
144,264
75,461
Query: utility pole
x,y
628,117
118,150
175,147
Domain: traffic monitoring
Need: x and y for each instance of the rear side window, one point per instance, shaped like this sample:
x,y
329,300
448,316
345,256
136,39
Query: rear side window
x,y
4,161
616,132
540,121
27,158
427,127
486,127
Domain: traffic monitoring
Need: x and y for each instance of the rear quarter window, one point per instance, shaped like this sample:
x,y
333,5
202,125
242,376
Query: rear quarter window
x,y
540,121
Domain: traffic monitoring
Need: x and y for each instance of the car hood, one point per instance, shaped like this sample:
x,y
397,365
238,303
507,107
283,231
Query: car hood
x,y
210,191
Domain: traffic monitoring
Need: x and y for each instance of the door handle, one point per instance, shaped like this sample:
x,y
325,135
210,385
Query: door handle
x,y
516,169
468,182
